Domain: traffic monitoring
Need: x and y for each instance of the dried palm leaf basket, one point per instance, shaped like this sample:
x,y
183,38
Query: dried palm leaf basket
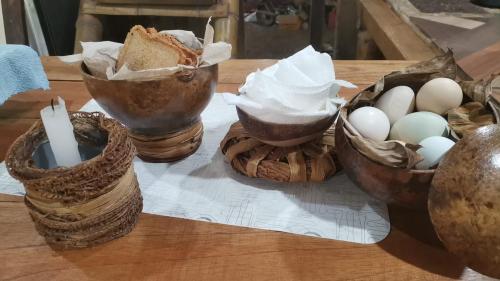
x,y
385,169
93,202
311,161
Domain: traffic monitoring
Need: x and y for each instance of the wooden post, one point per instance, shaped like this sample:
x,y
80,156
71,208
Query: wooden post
x,y
88,29
226,29
367,48
346,29
15,26
317,20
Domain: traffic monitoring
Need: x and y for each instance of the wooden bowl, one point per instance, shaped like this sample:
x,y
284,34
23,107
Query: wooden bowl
x,y
155,107
283,135
404,187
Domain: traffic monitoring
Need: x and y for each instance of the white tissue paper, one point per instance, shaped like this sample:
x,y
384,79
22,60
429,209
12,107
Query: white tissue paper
x,y
101,57
296,90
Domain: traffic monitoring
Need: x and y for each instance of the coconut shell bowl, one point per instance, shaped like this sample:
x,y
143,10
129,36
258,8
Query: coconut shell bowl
x,y
281,152
162,115
283,135
400,185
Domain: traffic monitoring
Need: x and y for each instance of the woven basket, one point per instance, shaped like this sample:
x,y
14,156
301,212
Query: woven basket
x,y
93,202
311,161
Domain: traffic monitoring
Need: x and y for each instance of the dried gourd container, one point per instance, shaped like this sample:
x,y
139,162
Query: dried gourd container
x,y
385,169
162,115
92,202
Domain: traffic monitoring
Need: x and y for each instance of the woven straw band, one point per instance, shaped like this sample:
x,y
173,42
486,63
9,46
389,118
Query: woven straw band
x,y
93,202
104,218
312,161
118,192
170,147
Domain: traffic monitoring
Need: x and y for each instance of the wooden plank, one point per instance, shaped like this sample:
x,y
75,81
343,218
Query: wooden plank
x,y
482,63
164,248
361,71
90,7
59,71
394,37
469,41
236,71
15,26
451,20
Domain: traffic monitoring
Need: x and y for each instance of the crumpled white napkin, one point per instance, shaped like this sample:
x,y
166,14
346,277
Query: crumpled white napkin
x,y
299,89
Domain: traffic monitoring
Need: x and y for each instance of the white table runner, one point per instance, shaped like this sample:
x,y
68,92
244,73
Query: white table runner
x,y
204,187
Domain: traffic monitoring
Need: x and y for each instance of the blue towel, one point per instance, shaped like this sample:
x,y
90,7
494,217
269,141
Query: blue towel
x,y
20,70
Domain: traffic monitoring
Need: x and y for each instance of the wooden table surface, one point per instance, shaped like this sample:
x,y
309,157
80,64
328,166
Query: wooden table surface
x,y
164,248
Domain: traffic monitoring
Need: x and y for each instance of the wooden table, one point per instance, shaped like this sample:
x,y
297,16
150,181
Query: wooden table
x,y
164,248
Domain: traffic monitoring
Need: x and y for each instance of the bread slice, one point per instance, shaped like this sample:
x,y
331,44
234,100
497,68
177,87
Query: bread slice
x,y
191,56
147,49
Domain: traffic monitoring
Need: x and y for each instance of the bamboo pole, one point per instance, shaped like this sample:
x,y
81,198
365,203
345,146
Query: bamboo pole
x,y
226,29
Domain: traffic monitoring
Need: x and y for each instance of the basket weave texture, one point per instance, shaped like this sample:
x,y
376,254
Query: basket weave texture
x,y
170,147
93,202
312,161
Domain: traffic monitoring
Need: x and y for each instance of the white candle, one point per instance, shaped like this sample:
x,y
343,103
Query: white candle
x,y
60,133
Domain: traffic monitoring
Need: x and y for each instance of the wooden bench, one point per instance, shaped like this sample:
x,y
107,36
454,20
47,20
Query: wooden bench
x,y
225,13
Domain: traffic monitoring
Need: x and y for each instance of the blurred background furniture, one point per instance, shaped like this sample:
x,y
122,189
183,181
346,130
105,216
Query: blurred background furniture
x,y
274,29
48,26
420,29
225,13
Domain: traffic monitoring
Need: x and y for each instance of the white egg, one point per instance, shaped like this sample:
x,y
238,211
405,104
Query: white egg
x,y
397,102
433,149
439,95
417,126
370,122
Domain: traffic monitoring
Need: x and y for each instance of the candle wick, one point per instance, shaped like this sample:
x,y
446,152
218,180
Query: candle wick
x,y
52,104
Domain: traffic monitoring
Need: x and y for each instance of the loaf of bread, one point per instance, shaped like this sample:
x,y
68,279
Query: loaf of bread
x,y
148,49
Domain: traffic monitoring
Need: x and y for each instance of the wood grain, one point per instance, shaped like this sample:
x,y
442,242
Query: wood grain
x,y
164,248
59,71
359,71
91,7
393,36
235,71
483,62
